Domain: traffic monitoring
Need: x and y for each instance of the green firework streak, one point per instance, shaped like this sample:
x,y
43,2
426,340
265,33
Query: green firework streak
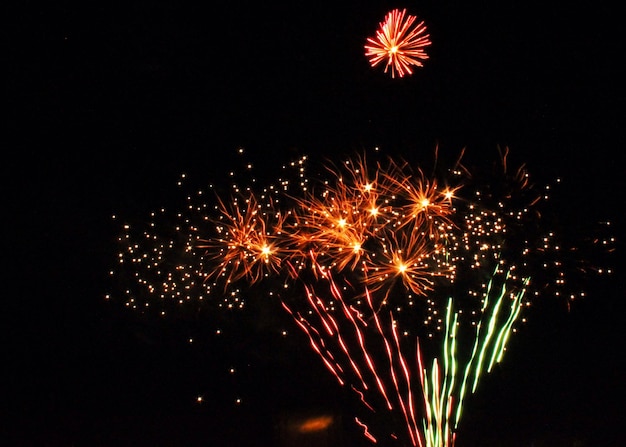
x,y
443,391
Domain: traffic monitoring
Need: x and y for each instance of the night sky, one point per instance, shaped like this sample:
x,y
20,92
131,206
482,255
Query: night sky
x,y
107,105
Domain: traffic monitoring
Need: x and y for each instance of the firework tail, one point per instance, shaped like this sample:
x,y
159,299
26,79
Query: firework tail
x,y
352,337
443,394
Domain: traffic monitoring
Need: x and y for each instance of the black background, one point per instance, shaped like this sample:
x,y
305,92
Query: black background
x,y
108,104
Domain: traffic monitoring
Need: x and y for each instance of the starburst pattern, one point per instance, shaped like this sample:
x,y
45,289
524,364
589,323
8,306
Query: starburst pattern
x,y
399,43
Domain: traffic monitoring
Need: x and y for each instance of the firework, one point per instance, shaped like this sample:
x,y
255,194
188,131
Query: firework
x,y
369,343
399,43
385,270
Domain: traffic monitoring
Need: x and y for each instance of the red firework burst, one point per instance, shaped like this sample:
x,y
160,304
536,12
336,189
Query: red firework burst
x,y
400,42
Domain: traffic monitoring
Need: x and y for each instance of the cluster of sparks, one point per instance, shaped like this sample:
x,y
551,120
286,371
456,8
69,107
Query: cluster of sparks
x,y
399,43
369,262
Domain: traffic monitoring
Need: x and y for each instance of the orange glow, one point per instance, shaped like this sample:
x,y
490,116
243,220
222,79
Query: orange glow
x,y
315,424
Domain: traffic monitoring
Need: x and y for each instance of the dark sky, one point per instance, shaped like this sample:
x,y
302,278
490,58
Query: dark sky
x,y
108,104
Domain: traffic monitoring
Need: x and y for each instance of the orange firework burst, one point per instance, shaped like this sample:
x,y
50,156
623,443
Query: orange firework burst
x,y
246,248
399,42
427,205
403,257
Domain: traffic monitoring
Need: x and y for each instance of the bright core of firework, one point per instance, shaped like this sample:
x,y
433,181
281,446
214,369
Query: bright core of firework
x,y
399,43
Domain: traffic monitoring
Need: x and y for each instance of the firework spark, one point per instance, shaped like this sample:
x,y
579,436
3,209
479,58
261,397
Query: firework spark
x,y
399,43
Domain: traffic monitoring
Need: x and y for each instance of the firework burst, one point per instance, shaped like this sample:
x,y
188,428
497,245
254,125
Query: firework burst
x,y
385,270
399,43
